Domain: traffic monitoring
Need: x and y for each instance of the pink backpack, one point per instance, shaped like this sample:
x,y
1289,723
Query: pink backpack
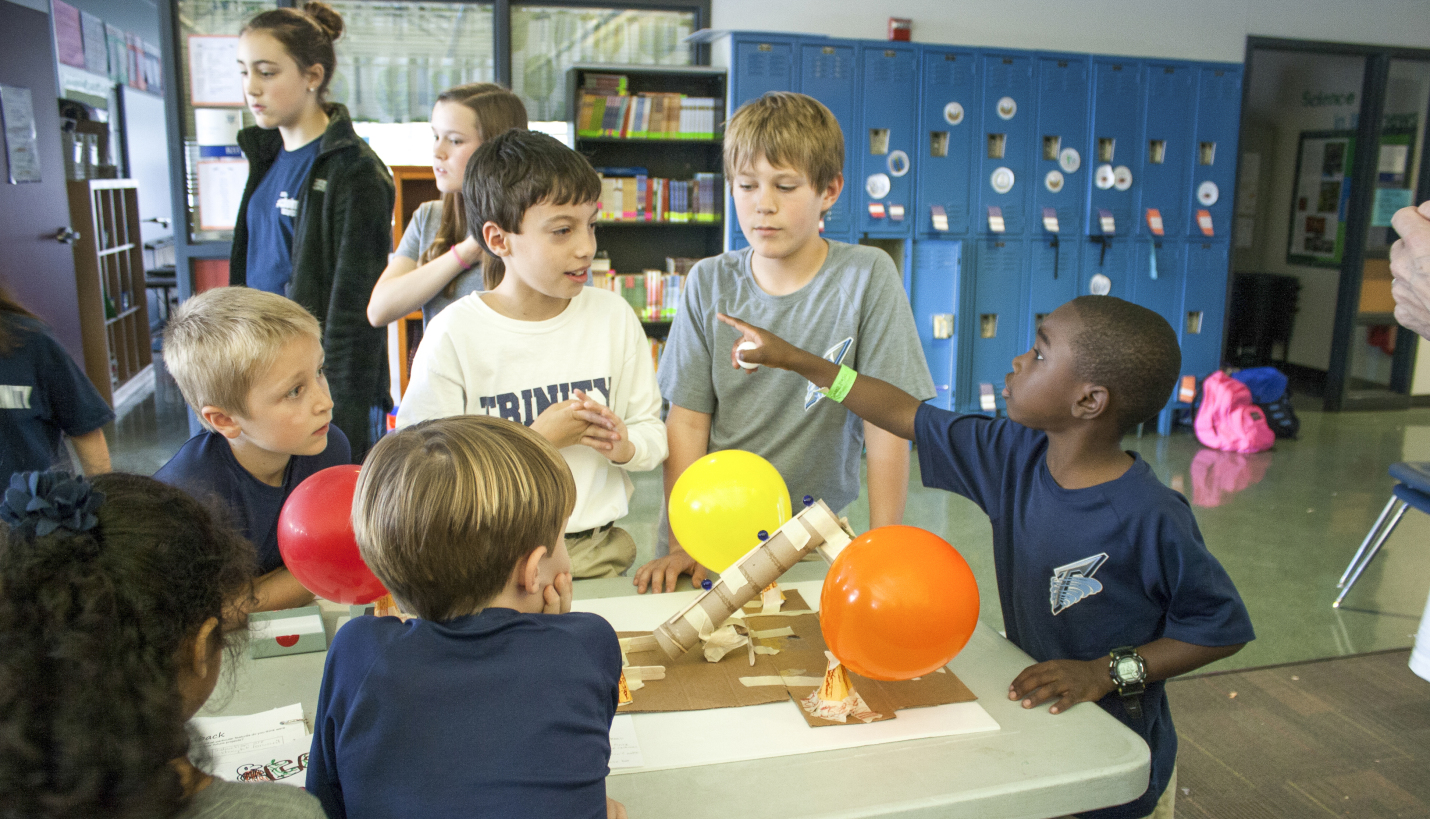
x,y
1228,419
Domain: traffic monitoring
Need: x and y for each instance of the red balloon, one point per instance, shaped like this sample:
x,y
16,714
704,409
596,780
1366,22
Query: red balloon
x,y
899,602
315,537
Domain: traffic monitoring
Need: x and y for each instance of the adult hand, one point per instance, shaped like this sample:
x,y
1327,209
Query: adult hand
x,y
663,573
1070,681
1410,265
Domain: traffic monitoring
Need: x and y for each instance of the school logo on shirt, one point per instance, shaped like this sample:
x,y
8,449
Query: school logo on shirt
x,y
1074,581
14,397
812,395
287,205
523,407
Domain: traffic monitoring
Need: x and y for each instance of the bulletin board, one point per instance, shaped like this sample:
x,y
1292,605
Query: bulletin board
x,y
1318,203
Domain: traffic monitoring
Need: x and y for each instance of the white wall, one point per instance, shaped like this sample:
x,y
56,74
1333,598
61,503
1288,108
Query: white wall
x,y
1180,29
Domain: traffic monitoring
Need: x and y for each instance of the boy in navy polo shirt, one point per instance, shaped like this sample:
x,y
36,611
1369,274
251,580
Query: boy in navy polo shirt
x,y
250,365
495,700
1101,569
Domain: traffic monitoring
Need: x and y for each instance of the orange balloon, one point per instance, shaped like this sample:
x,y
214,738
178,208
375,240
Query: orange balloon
x,y
899,602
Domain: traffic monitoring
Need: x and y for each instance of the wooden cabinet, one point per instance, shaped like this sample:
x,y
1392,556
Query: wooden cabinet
x,y
415,184
109,279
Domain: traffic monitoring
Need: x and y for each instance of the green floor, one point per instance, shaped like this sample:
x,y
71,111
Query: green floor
x,y
1285,539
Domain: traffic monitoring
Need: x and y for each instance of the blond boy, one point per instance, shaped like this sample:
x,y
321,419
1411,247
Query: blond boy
x,y
250,365
498,700
783,155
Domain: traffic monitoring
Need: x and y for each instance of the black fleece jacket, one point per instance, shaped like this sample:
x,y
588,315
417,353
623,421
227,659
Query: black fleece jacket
x,y
341,239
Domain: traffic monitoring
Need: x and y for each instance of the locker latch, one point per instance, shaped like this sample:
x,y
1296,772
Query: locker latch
x,y
940,218
896,213
1109,227
1154,221
942,325
1050,224
1204,221
995,219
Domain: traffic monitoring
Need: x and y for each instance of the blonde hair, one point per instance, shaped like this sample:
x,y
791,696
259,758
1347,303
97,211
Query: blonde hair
x,y
218,343
790,131
445,509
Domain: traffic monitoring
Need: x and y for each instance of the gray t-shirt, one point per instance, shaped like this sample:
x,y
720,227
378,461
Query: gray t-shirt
x,y
418,236
853,312
246,800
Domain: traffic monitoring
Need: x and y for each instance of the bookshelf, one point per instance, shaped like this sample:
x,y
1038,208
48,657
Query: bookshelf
x,y
675,209
109,279
415,184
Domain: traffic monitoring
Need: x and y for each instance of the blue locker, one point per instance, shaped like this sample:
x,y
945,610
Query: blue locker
x,y
1202,315
758,63
934,297
1052,281
1113,149
1060,170
1214,165
948,126
1112,262
829,72
884,187
992,328
1166,148
1006,153
1155,281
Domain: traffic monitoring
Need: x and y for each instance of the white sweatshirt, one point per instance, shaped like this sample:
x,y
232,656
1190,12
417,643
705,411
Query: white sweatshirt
x,y
474,360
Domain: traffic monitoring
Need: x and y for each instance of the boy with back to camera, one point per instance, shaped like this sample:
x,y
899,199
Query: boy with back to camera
x,y
1102,573
541,348
494,700
250,366
783,155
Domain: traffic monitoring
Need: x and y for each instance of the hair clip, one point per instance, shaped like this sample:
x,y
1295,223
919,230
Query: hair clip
x,y
38,503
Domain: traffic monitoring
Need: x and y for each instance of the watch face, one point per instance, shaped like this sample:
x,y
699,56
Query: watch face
x,y
1128,668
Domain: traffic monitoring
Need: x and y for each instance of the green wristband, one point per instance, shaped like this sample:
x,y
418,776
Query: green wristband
x,y
842,384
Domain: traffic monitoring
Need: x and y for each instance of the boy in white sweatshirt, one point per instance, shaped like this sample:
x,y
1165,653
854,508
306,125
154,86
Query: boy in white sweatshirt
x,y
541,348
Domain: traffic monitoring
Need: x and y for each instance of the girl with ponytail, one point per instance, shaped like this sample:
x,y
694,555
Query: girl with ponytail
x,y
118,598
315,220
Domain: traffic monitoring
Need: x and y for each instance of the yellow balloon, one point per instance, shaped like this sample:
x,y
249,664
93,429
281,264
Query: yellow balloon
x,y
722,501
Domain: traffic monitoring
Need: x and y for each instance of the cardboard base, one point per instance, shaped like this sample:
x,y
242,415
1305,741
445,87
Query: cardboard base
x,y
678,739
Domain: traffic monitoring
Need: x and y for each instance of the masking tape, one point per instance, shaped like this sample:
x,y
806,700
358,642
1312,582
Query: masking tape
x,y
735,579
774,632
700,621
766,650
645,642
829,529
797,534
788,682
752,682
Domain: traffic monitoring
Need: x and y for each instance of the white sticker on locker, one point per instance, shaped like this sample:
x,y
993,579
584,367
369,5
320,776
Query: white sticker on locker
x,y
1207,193
1122,177
953,113
877,185
1103,177
1002,180
1053,181
1099,285
1007,107
898,163
1070,160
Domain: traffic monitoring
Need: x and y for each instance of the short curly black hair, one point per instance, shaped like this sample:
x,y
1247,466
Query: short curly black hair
x,y
1130,350
91,629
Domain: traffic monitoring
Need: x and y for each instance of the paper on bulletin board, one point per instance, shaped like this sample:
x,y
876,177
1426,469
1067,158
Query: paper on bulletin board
x,y
96,50
17,110
213,70
69,34
220,184
759,731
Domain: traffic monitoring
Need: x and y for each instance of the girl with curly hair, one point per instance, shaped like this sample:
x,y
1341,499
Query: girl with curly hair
x,y
118,597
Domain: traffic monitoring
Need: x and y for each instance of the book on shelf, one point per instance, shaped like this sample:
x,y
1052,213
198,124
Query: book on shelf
x,y
653,294
630,194
606,83
645,115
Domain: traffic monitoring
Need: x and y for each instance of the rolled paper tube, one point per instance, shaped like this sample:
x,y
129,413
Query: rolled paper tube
x,y
739,584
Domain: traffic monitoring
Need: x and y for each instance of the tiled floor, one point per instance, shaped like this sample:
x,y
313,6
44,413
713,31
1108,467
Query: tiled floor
x,y
1284,523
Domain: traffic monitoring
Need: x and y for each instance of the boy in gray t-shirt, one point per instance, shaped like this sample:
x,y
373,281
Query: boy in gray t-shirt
x,y
783,155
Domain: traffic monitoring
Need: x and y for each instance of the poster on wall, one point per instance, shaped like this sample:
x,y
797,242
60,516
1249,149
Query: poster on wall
x,y
1318,206
213,70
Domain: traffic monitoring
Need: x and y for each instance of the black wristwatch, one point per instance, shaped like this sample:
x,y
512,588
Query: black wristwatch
x,y
1129,673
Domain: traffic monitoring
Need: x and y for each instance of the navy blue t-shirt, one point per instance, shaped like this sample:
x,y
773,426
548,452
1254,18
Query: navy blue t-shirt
x,y
205,467
271,213
43,397
1083,571
491,714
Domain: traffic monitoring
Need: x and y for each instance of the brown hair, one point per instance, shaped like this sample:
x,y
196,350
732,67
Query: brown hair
x,y
790,131
306,35
9,307
445,509
498,111
516,171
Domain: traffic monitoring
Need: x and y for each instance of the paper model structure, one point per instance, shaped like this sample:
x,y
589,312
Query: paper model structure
x,y
289,631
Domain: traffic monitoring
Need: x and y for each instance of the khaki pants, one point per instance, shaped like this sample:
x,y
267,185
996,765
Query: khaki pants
x,y
1165,804
601,554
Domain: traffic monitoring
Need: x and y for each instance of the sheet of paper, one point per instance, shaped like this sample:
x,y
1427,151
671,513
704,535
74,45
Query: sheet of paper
x,y
18,112
625,747
220,192
213,70
758,731
286,764
227,736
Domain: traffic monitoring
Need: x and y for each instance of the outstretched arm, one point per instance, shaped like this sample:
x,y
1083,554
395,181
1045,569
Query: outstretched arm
x,y
1074,681
878,402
